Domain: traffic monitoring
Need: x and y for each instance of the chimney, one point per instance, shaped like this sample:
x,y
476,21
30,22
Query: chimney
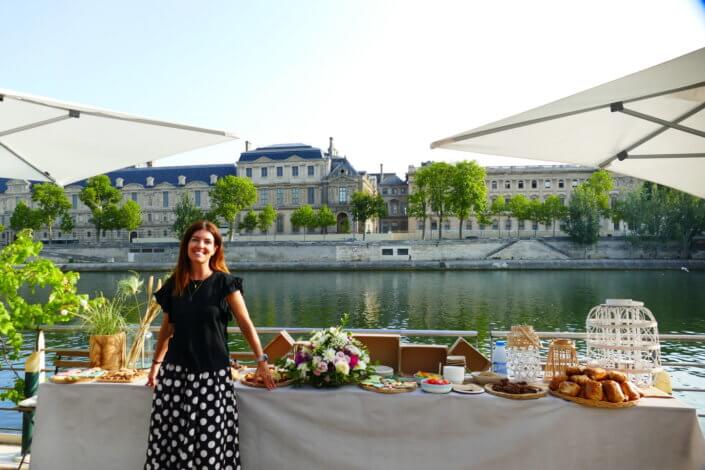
x,y
247,146
330,146
150,164
381,173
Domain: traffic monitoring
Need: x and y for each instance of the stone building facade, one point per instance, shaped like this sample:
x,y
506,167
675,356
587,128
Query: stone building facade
x,y
395,193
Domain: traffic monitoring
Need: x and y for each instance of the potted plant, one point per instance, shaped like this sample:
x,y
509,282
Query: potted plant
x,y
104,321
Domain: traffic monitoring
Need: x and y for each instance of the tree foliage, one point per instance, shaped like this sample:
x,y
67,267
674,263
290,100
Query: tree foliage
x,y
186,214
304,217
499,208
468,192
52,204
519,206
324,218
103,200
553,211
24,217
418,207
367,206
266,218
438,178
230,196
589,203
249,222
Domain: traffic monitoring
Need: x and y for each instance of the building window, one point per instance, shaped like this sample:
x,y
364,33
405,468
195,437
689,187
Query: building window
x,y
165,199
394,190
535,226
402,252
616,226
280,171
133,196
547,184
385,191
165,233
446,225
494,185
520,184
468,224
508,224
295,228
149,233
561,184
182,180
88,234
280,197
294,171
310,170
295,200
342,195
248,172
534,184
402,190
263,172
74,201
387,251
197,198
311,196
149,217
521,225
507,185
495,224
280,223
574,183
264,197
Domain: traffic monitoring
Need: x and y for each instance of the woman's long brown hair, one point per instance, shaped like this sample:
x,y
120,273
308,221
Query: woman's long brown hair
x,y
182,272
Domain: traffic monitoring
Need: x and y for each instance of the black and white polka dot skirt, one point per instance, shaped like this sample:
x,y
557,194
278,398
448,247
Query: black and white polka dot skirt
x,y
194,423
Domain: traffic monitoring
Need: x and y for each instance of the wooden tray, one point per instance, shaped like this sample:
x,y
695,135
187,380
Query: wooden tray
x,y
63,379
136,378
285,383
468,389
595,403
389,391
512,396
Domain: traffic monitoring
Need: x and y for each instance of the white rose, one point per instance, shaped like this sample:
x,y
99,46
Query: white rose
x,y
360,365
342,367
329,355
303,369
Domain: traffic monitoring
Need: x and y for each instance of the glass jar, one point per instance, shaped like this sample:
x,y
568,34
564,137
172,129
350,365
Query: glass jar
x,y
524,364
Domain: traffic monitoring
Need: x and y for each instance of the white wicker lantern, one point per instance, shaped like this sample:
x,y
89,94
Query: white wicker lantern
x,y
622,334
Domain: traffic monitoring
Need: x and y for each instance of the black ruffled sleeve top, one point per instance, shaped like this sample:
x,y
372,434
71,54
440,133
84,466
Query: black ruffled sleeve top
x,y
200,317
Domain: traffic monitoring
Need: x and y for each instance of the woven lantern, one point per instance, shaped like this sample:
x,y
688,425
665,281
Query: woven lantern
x,y
561,355
622,334
523,353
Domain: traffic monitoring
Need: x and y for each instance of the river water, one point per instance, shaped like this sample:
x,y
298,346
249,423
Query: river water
x,y
457,300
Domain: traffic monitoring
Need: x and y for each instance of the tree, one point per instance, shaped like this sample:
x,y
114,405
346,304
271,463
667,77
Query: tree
x,y
52,204
366,206
590,202
324,218
130,216
418,207
230,196
468,192
535,213
519,207
303,217
686,216
553,210
24,217
249,222
437,178
499,208
186,214
266,218
102,199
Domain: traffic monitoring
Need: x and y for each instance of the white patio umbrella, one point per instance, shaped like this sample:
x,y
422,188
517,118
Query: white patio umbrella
x,y
47,140
649,125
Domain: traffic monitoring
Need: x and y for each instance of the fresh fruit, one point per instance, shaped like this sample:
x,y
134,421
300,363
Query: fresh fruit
x,y
435,381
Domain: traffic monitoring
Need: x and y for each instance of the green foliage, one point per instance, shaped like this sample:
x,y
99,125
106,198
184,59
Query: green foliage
x,y
230,196
266,218
249,222
345,226
186,214
21,269
304,217
498,208
590,201
102,199
468,192
324,218
535,213
16,393
418,206
553,210
519,207
367,206
66,224
104,316
24,217
437,178
52,204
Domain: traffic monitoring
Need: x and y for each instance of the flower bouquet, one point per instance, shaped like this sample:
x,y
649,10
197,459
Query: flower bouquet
x,y
330,359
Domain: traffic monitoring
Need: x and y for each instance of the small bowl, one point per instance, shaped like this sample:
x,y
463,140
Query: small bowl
x,y
433,388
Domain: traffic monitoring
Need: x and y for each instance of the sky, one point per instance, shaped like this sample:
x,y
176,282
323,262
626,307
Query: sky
x,y
384,78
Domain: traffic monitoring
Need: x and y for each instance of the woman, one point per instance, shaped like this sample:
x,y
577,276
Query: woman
x,y
194,412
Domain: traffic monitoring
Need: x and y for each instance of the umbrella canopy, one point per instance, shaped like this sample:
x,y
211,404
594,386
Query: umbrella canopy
x,y
649,125
47,140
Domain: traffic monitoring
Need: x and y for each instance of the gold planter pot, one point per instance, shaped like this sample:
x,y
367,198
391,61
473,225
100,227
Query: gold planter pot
x,y
107,351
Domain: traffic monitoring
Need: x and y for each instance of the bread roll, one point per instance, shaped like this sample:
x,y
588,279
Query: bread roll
x,y
617,376
630,391
580,379
613,392
592,390
556,381
596,373
575,370
569,388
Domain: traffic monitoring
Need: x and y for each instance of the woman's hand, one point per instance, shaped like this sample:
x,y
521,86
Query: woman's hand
x,y
265,374
152,377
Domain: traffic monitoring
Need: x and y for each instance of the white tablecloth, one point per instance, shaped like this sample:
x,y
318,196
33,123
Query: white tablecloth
x,y
96,426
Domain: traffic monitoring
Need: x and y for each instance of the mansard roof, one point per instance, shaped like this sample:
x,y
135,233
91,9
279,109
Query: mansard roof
x,y
338,163
387,179
282,152
168,174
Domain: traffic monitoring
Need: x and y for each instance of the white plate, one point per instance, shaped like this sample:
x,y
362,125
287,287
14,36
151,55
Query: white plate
x,y
466,390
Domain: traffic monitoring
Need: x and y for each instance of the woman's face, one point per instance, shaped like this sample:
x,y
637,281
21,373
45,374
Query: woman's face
x,y
201,247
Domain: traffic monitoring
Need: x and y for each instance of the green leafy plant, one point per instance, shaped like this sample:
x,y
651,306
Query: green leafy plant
x,y
104,316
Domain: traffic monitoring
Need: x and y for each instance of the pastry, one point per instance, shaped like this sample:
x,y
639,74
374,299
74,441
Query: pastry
x,y
630,391
612,391
556,381
575,370
617,376
580,379
596,373
592,390
569,388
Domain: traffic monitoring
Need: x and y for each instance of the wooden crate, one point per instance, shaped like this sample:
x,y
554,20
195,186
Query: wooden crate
x,y
474,359
280,346
383,348
422,357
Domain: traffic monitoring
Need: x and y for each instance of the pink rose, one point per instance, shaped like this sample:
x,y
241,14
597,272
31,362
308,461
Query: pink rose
x,y
353,361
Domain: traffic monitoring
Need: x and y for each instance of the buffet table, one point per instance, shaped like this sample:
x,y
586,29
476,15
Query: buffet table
x,y
104,426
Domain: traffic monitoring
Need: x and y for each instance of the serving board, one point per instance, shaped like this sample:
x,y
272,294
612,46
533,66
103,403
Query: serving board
x,y
389,391
284,383
70,379
516,396
595,403
468,389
